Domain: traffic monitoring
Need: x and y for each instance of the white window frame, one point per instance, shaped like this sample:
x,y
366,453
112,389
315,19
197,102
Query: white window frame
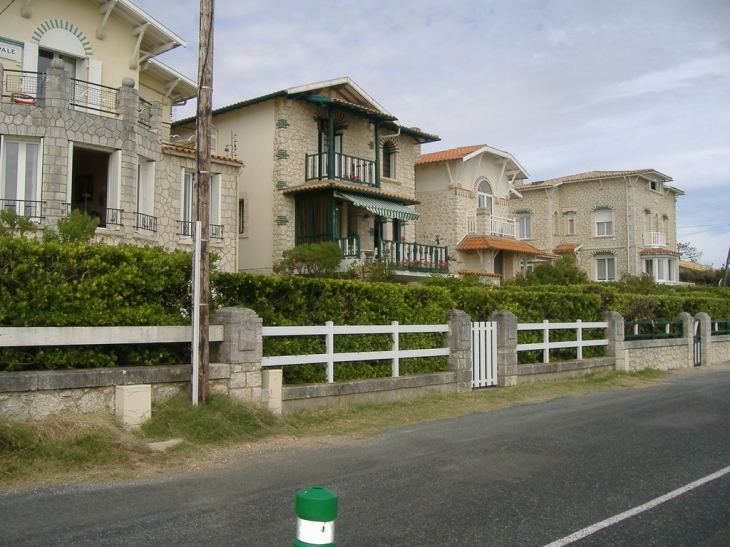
x,y
605,268
389,152
216,182
604,228
524,226
22,190
242,217
570,223
485,200
186,202
145,188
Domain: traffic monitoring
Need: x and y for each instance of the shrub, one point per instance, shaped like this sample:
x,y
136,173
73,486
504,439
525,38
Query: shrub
x,y
310,259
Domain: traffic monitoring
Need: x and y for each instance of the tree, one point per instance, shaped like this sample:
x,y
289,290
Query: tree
x,y
688,252
560,272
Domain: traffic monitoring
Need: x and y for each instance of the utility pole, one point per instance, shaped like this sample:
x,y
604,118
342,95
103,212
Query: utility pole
x,y
727,263
204,121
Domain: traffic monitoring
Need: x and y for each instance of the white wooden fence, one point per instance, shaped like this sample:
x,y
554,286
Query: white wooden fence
x,y
546,345
483,353
329,330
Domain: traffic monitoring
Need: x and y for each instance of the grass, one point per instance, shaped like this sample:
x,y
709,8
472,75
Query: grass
x,y
87,447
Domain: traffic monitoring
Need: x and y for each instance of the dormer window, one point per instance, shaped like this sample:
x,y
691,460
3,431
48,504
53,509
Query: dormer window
x,y
484,196
655,186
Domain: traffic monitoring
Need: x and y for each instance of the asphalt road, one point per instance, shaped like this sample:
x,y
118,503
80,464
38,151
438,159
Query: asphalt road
x,y
529,475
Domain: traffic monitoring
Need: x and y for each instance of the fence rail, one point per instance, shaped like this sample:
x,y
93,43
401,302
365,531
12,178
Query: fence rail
x,y
652,330
720,327
546,345
329,330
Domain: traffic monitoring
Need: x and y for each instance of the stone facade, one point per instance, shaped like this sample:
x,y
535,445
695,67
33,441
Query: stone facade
x,y
563,213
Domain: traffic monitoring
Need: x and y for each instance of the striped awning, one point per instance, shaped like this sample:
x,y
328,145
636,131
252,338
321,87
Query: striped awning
x,y
381,207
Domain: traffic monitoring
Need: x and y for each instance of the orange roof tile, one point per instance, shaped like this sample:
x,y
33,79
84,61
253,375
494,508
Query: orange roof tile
x,y
342,185
446,155
567,248
191,151
655,251
590,175
474,243
481,274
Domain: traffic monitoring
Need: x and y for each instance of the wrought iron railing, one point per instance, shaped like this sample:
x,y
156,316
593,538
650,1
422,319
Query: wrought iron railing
x,y
105,215
144,112
23,87
145,222
346,167
23,208
350,246
186,228
719,327
417,257
651,330
95,96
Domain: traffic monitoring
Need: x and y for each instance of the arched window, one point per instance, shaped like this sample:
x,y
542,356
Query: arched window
x,y
389,160
484,196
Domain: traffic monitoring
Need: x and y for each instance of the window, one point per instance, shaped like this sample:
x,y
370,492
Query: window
x,y
605,268
186,204
216,228
649,267
241,217
655,186
145,219
20,177
570,224
604,222
389,160
484,196
525,231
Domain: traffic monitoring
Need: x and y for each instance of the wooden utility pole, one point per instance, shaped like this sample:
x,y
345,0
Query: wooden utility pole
x,y
202,210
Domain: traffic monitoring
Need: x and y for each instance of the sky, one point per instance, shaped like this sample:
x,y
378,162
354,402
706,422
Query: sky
x,y
565,86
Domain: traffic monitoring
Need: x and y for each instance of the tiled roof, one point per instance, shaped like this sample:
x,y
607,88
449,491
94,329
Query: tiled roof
x,y
480,274
590,175
567,248
446,155
655,251
191,152
475,243
694,266
349,187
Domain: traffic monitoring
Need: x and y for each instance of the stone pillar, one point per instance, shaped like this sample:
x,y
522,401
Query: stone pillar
x,y
615,337
705,332
59,90
128,102
688,328
459,341
241,349
506,347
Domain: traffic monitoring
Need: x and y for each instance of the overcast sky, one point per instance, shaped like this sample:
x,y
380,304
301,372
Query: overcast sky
x,y
566,86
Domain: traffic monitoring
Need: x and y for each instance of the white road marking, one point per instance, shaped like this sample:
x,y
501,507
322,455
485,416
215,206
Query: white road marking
x,y
585,532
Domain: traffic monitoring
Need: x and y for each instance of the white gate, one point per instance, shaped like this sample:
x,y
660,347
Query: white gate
x,y
484,354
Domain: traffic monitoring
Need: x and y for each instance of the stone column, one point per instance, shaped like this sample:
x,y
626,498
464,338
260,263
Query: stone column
x,y
615,337
128,102
705,332
241,349
506,347
459,342
688,324
59,90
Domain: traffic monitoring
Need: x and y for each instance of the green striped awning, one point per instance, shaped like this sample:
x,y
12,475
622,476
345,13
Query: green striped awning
x,y
381,207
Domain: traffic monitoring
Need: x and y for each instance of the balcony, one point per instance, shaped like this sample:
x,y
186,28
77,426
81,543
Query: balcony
x,y
145,222
105,215
655,239
348,168
350,246
417,257
23,208
186,228
490,225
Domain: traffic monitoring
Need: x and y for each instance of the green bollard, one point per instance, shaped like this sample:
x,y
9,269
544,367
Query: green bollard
x,y
316,509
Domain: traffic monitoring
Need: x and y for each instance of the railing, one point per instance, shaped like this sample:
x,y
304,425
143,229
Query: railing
x,y
655,239
186,228
346,167
417,257
94,96
719,327
23,208
21,87
144,112
350,246
105,215
145,222
652,330
471,224
546,345
329,330
501,226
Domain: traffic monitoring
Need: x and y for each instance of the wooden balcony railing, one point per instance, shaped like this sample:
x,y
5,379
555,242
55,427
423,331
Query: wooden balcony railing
x,y
655,239
414,256
346,167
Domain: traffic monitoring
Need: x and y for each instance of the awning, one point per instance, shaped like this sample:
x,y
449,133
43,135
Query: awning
x,y
381,207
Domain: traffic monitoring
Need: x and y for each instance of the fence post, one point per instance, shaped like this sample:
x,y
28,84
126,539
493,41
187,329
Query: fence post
x,y
688,333
241,349
316,510
330,348
705,332
395,367
615,337
506,347
458,339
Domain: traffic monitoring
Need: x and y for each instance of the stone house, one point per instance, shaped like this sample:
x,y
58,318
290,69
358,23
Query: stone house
x,y
323,162
85,124
614,222
463,194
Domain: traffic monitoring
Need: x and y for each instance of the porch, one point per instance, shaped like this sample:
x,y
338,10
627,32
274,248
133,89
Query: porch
x,y
413,257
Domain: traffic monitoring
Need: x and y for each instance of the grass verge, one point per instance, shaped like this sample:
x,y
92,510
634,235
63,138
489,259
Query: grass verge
x,y
89,447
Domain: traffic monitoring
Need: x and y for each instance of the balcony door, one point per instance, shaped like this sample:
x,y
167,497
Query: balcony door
x,y
94,186
324,148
